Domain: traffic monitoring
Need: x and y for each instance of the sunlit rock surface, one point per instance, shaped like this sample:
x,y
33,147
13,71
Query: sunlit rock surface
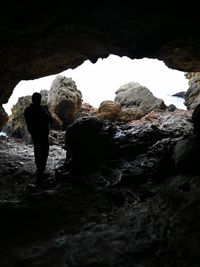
x,y
131,113
109,110
64,99
135,95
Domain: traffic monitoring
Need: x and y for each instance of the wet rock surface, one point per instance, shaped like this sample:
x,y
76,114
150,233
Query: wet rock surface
x,y
18,168
128,208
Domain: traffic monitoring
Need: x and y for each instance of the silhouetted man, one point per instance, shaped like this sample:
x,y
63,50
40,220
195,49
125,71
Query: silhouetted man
x,y
38,120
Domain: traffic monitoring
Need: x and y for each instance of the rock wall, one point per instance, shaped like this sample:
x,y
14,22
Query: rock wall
x,y
64,100
192,96
40,38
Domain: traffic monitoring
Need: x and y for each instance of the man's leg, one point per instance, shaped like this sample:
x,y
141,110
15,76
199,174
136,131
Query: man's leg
x,y
44,153
41,151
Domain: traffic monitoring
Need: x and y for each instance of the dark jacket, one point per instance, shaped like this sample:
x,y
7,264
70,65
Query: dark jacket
x,y
38,120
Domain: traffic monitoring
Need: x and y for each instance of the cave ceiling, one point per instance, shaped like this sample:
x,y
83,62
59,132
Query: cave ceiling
x,y
40,38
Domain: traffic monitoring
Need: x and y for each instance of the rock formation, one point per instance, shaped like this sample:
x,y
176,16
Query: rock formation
x,y
39,39
86,110
109,110
119,198
64,100
192,95
135,95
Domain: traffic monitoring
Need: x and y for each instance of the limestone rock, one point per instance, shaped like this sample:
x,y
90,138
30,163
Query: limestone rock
x,y
178,122
192,96
130,114
109,110
86,110
64,99
133,94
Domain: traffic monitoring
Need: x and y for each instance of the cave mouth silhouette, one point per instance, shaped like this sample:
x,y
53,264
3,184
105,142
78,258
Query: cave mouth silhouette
x,y
99,81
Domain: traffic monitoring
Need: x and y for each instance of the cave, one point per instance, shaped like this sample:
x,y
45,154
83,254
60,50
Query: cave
x,y
42,38
151,222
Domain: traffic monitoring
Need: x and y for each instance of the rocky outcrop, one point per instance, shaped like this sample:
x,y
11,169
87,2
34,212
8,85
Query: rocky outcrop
x,y
16,125
113,111
118,198
86,110
180,94
178,122
132,102
64,100
109,110
120,154
192,96
130,114
135,95
39,40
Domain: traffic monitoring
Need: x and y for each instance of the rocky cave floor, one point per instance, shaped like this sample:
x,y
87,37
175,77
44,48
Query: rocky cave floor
x,y
69,224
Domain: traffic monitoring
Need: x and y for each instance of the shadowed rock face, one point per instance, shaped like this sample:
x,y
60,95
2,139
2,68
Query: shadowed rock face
x,y
40,38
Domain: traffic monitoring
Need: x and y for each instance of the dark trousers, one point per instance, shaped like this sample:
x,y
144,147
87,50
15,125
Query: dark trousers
x,y
41,152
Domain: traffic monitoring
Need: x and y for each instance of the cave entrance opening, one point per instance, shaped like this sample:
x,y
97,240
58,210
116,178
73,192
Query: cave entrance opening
x,y
100,81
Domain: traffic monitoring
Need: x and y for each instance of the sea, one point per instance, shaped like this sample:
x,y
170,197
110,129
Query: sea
x,y
177,101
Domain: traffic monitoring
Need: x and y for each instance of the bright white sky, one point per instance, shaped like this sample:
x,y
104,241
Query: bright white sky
x,y
100,81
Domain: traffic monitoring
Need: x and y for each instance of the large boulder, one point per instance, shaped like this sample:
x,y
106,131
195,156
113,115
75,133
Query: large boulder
x,y
64,100
113,111
109,110
130,114
135,95
89,139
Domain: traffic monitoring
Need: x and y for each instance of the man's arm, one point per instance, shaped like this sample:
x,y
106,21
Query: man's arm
x,y
49,116
28,121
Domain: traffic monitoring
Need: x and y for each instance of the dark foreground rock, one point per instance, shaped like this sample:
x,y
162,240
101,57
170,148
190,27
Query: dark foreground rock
x,y
131,207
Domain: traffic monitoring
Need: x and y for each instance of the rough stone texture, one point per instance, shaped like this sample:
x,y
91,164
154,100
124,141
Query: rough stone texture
x,y
86,110
129,114
64,99
116,201
178,122
109,110
135,95
40,38
192,96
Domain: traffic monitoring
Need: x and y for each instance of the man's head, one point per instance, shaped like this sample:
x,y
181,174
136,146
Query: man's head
x,y
36,98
